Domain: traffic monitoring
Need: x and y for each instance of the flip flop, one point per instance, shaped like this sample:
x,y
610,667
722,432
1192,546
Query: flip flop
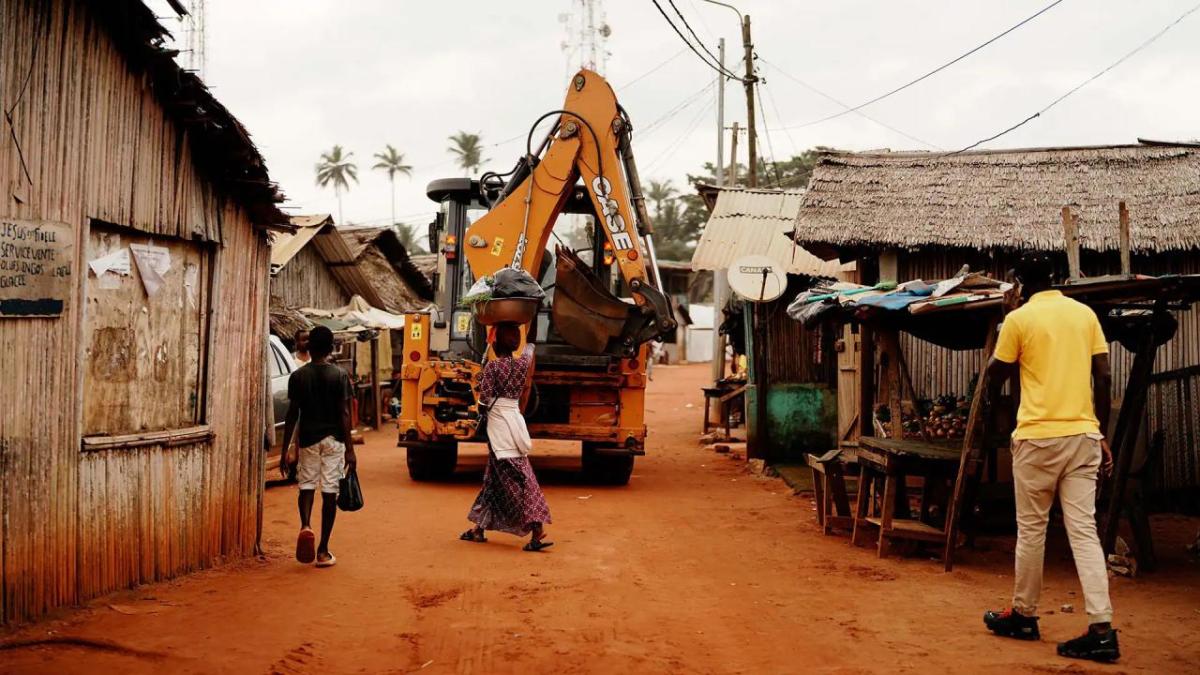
x,y
306,546
328,562
470,535
535,546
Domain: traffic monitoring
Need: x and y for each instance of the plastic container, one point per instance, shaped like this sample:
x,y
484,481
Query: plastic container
x,y
506,310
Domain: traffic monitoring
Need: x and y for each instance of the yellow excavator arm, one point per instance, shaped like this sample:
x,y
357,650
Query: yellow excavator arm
x,y
590,140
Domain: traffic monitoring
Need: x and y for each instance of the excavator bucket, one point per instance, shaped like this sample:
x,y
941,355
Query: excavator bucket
x,y
588,316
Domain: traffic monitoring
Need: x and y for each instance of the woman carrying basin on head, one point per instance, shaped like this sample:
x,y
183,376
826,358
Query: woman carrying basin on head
x,y
511,500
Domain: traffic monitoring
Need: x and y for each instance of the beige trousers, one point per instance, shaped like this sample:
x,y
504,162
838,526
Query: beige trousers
x,y
1068,466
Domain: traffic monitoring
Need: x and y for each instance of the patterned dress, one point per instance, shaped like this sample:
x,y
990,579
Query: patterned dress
x,y
511,499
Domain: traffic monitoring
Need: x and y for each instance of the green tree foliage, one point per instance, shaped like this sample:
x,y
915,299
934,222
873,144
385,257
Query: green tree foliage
x,y
392,162
335,168
468,151
407,234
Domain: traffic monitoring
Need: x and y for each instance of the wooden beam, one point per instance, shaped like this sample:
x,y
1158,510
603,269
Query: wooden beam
x,y
1071,242
1126,264
968,457
1129,421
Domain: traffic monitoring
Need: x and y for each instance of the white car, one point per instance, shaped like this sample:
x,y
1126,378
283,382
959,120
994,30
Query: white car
x,y
281,366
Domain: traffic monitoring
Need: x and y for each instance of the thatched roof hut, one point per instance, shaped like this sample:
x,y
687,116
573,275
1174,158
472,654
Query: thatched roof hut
x,y
384,261
1002,199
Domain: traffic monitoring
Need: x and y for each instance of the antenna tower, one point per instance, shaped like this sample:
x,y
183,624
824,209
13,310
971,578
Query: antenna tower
x,y
193,27
587,33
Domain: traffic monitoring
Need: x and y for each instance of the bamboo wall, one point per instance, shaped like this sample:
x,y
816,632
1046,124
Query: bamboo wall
x,y
307,282
98,146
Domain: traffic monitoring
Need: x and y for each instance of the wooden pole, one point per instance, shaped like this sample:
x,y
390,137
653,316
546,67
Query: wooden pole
x,y
1071,241
749,82
375,393
733,174
966,463
1133,406
1126,263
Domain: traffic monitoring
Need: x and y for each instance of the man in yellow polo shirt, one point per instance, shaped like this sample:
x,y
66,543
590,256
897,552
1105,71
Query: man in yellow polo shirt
x,y
1059,349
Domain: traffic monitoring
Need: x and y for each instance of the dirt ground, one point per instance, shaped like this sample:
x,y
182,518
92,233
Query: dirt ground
x,y
697,566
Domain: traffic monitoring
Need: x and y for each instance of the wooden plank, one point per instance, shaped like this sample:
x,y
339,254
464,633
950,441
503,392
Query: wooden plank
x,y
903,528
969,455
866,381
1133,405
1071,242
1126,264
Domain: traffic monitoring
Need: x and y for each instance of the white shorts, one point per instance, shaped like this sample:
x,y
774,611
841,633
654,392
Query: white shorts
x,y
322,466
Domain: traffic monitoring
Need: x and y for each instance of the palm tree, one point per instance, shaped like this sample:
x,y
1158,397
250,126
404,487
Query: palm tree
x,y
335,167
408,239
393,163
659,193
468,150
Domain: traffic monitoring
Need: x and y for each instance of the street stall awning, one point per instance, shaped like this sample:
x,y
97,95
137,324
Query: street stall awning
x,y
956,313
759,222
357,315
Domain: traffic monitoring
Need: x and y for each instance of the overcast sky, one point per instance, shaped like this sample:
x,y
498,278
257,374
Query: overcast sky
x,y
303,75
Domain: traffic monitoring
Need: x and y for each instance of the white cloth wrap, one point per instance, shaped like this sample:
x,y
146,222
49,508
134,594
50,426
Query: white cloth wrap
x,y
506,429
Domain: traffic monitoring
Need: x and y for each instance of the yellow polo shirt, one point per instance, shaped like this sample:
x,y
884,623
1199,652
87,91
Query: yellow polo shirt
x,y
1053,338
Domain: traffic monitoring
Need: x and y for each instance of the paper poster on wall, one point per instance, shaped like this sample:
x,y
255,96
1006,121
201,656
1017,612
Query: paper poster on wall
x,y
116,262
153,262
37,259
191,276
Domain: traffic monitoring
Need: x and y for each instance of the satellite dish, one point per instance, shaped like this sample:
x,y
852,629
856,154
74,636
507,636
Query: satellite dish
x,y
757,278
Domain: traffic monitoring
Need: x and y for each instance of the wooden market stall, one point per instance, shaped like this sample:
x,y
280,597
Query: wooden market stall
x,y
894,455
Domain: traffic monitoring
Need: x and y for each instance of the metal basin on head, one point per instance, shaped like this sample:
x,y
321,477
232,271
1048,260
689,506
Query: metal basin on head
x,y
506,310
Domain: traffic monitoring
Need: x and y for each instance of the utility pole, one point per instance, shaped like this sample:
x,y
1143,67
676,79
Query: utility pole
x,y
720,283
733,177
748,81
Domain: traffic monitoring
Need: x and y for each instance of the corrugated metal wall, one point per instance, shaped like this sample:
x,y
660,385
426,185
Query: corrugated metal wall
x,y
936,371
307,282
98,145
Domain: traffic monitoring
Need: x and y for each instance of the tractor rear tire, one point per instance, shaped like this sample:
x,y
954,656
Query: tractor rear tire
x,y
605,466
432,462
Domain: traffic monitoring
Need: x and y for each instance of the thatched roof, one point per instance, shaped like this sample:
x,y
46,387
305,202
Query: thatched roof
x,y
427,263
384,261
286,321
1003,199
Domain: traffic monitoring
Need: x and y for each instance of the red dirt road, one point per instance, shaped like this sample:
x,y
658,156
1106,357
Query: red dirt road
x,y
696,567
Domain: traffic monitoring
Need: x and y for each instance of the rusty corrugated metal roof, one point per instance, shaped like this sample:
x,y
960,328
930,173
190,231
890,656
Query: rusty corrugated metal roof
x,y
747,221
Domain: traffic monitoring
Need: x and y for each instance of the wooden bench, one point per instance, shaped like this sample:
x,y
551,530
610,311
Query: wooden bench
x,y
829,488
724,394
891,462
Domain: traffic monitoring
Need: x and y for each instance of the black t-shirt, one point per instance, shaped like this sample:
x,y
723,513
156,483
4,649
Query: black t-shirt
x,y
321,391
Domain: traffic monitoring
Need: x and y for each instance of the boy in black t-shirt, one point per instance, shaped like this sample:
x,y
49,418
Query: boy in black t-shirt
x,y
319,394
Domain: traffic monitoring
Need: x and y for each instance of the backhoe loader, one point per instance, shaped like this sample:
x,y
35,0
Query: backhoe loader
x,y
591,346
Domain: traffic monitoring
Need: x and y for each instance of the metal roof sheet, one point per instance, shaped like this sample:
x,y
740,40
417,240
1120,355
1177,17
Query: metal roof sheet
x,y
746,222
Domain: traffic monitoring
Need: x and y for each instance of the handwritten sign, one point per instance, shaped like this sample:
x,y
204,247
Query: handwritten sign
x,y
37,259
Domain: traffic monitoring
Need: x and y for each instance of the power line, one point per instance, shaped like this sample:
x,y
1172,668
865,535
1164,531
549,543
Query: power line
x,y
1151,40
695,37
653,70
687,103
674,145
687,42
932,72
860,113
779,118
762,113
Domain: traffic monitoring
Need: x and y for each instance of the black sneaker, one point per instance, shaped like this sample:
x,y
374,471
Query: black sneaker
x,y
1093,646
1013,624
